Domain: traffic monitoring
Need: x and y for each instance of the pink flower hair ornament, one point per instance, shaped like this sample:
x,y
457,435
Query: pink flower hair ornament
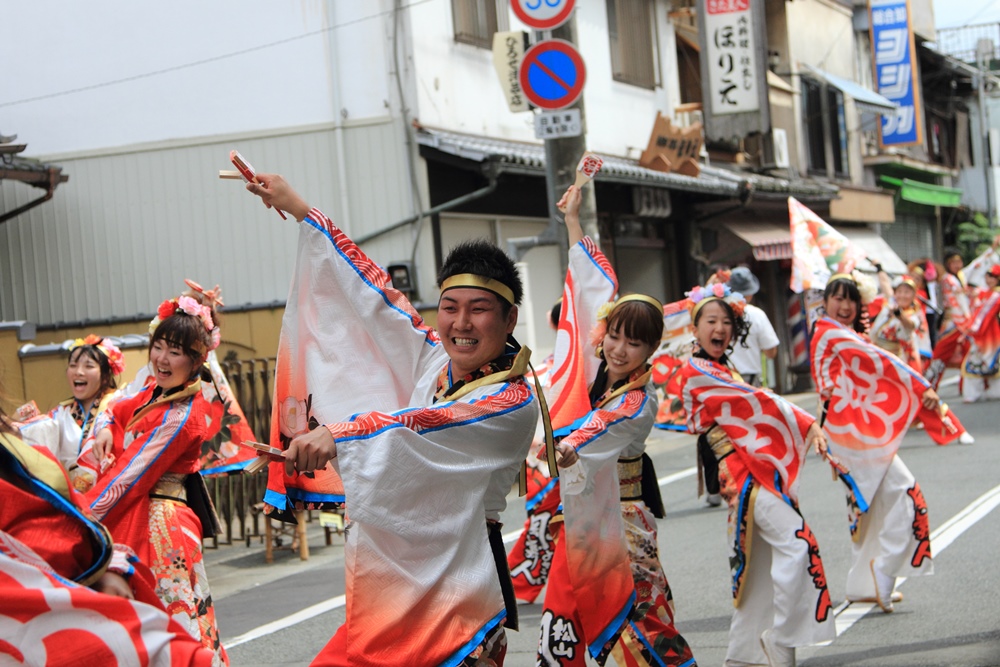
x,y
188,306
103,345
699,296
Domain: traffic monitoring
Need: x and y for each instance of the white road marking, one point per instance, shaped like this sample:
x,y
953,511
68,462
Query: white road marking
x,y
287,621
340,600
847,613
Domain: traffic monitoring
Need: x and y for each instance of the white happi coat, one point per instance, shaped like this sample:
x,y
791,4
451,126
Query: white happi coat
x,y
419,477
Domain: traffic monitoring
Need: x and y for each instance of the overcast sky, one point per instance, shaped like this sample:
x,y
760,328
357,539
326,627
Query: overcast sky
x,y
954,13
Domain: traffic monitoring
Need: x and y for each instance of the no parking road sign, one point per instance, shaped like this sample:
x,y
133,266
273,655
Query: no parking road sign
x,y
552,74
543,14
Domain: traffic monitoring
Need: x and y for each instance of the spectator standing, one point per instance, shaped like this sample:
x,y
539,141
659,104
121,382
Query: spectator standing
x,y
760,339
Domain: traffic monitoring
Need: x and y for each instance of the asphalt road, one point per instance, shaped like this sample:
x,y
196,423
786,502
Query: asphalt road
x,y
949,619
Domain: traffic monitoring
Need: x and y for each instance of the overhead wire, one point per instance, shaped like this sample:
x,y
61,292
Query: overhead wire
x,y
205,61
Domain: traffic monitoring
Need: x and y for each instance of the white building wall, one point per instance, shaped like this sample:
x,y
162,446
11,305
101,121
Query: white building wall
x,y
973,180
821,34
458,89
141,103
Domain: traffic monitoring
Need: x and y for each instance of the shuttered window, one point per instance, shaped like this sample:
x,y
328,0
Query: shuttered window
x,y
631,31
475,21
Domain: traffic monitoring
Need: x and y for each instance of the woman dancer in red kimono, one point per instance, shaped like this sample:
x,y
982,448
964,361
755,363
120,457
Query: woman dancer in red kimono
x,y
760,440
981,366
607,592
147,448
952,343
870,397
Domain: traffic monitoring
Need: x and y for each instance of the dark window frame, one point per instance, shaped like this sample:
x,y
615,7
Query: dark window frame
x,y
474,22
633,41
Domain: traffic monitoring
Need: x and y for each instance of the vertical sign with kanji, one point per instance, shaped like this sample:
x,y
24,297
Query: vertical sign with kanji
x,y
731,57
896,70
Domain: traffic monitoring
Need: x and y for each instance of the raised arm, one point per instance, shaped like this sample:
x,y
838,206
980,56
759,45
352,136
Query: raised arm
x,y
277,193
570,203
344,315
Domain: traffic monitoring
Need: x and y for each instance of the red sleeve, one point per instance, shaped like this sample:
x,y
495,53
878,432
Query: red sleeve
x,y
175,434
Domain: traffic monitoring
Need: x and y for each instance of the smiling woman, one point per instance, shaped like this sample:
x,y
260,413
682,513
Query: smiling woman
x,y
756,444
144,457
94,363
607,593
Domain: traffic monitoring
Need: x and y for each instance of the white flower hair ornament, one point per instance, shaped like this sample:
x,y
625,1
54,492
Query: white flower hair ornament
x,y
699,296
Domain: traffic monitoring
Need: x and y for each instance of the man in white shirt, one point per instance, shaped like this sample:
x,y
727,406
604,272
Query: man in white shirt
x,y
760,337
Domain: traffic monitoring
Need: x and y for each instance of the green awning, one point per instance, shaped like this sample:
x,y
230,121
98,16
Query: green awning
x,y
925,193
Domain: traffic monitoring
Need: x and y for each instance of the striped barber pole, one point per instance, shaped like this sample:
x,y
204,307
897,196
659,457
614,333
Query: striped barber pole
x,y
797,326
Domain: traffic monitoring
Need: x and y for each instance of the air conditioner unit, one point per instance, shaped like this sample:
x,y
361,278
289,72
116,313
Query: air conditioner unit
x,y
781,148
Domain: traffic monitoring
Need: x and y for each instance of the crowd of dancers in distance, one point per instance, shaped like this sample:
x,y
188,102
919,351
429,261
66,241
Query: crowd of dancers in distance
x,y
419,433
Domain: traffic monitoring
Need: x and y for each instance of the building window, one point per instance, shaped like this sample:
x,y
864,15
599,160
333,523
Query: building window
x,y
838,130
824,126
475,21
812,125
631,30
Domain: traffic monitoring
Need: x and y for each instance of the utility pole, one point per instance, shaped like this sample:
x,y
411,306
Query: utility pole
x,y
984,54
563,154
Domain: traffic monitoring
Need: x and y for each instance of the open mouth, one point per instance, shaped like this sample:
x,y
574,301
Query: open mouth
x,y
464,342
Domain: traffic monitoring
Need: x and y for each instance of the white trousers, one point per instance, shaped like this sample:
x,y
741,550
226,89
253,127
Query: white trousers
x,y
975,388
779,591
892,533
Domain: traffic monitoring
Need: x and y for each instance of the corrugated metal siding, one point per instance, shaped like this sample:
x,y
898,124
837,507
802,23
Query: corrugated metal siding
x,y
127,228
911,236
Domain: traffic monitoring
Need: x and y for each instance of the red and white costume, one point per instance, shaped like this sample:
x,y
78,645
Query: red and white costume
x,y
981,366
778,578
607,593
872,397
143,497
423,460
51,548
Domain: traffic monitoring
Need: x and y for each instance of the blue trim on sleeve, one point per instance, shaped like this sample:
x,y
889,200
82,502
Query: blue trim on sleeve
x,y
613,628
316,225
442,406
229,467
458,656
275,499
671,427
612,423
298,495
60,503
152,436
540,496
593,260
